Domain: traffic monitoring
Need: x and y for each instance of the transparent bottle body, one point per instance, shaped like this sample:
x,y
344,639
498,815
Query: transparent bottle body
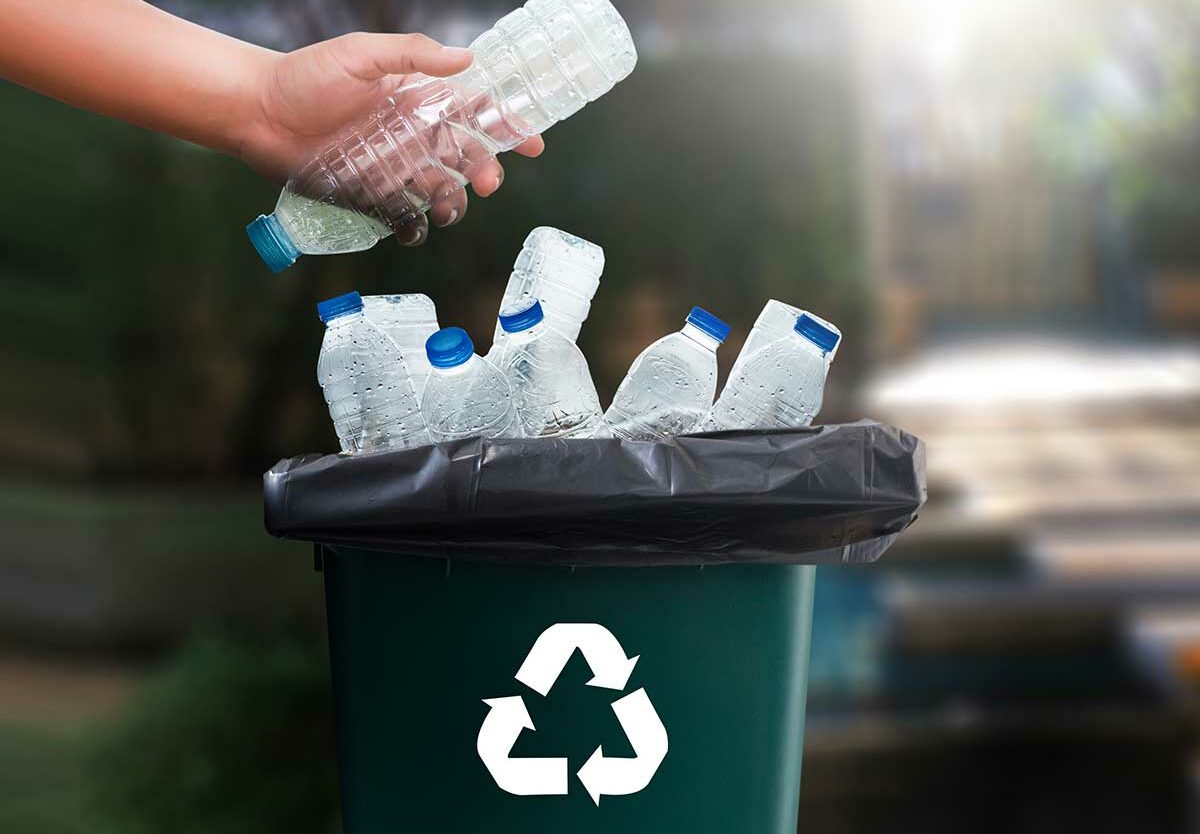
x,y
551,385
471,400
409,320
560,270
367,387
780,386
668,389
538,65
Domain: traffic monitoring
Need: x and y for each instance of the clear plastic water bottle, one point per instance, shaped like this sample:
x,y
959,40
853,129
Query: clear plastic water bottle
x,y
781,385
774,322
409,320
670,386
551,386
465,396
367,388
538,65
561,271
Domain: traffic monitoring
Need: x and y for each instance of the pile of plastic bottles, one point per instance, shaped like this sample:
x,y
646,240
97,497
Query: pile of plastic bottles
x,y
394,380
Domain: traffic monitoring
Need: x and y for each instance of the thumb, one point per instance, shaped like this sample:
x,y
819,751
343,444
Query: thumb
x,y
370,56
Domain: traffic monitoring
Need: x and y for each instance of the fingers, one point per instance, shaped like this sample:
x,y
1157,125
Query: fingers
x,y
370,56
413,232
486,177
531,147
448,205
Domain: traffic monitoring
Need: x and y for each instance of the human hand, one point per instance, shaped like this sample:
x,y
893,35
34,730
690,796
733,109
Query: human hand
x,y
304,99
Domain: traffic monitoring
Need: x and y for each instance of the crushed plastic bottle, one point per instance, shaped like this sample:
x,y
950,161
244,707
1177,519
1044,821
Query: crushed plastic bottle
x,y
551,385
774,322
562,272
780,386
465,396
366,383
670,386
538,65
409,320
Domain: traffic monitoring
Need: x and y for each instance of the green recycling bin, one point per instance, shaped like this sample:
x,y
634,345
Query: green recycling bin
x,y
652,699
589,636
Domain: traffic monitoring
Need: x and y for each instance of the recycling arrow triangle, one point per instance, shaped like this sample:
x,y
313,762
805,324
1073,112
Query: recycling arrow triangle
x,y
611,669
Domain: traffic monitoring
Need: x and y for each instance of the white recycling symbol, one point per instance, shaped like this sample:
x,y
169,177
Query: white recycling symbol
x,y
600,774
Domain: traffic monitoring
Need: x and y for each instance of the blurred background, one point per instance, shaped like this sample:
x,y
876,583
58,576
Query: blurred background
x,y
999,204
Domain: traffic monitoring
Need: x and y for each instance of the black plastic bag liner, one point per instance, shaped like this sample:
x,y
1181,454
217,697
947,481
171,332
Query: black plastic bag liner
x,y
822,495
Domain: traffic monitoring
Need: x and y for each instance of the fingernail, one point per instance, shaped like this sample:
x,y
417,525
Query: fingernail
x,y
458,52
411,234
453,216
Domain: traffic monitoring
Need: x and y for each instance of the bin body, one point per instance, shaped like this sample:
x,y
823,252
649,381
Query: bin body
x,y
417,644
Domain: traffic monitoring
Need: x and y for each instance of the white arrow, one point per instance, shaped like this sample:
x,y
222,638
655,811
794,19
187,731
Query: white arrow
x,y
554,647
523,777
621,777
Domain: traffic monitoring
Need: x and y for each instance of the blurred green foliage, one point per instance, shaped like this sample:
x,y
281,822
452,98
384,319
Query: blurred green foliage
x,y
231,738
132,571
42,779
1157,178
1123,110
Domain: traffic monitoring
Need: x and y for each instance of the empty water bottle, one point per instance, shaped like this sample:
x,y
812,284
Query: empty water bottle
x,y
366,384
774,322
538,65
551,386
781,385
562,271
670,386
409,320
465,395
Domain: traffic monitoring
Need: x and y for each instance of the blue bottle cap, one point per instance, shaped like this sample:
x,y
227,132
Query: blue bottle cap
x,y
523,318
449,347
273,244
339,305
817,333
708,323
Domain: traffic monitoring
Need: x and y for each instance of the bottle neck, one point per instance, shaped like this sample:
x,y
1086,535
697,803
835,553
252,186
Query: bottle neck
x,y
700,337
457,370
344,320
806,344
527,335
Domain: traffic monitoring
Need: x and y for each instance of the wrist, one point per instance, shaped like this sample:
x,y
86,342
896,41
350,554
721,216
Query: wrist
x,y
249,134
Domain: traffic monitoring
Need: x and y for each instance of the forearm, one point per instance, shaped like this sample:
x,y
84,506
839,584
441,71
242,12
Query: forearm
x,y
129,60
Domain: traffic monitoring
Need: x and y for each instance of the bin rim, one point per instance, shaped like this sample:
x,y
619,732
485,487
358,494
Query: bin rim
x,y
835,493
